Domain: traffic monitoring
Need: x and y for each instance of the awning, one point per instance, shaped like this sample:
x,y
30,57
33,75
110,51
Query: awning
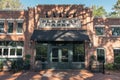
x,y
59,35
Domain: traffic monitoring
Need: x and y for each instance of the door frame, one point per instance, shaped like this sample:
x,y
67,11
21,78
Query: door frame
x,y
60,64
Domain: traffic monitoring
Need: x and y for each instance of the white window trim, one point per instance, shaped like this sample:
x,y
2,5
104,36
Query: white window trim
x,y
12,21
9,56
99,25
19,20
17,26
104,51
114,49
114,25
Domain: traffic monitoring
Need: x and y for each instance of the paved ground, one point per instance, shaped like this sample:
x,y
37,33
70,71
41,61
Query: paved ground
x,y
58,75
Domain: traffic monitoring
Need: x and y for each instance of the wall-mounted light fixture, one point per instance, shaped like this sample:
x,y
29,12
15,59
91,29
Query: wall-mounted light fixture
x,y
90,44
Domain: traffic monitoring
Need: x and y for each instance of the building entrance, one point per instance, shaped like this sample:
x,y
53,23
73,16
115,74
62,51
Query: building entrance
x,y
61,55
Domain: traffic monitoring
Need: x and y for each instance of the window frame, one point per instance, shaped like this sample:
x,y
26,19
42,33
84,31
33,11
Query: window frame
x,y
104,54
100,26
10,21
78,59
114,53
9,48
19,21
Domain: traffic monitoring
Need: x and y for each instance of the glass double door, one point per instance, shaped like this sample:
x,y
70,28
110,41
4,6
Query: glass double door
x,y
60,57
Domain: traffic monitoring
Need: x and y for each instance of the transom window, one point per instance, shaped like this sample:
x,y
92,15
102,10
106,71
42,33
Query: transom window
x,y
116,31
57,23
101,54
1,27
99,30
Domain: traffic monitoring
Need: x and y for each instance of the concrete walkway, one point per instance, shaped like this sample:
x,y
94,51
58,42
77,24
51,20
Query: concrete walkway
x,y
58,75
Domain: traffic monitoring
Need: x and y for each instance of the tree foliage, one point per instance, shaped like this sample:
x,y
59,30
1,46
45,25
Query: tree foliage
x,y
99,11
10,4
116,8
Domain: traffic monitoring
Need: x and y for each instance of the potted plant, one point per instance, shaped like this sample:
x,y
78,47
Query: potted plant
x,y
94,64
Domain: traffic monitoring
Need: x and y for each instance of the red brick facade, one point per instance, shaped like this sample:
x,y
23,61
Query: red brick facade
x,y
31,21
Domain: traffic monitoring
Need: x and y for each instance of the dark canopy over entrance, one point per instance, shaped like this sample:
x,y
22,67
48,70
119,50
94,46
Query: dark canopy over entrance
x,y
59,35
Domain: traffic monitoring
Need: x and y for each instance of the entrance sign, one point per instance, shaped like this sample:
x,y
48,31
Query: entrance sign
x,y
60,23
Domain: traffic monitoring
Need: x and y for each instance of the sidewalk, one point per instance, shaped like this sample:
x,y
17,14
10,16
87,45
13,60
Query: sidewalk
x,y
58,75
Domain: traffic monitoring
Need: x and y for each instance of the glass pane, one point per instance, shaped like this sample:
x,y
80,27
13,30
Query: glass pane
x,y
116,31
99,30
0,52
20,43
5,52
55,54
64,55
2,43
10,27
11,43
100,55
1,27
78,53
116,53
19,52
41,52
12,52
19,28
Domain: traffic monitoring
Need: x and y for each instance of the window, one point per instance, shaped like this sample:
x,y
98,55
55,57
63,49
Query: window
x,y
64,55
78,53
19,52
115,31
100,55
116,52
12,52
41,52
5,51
10,27
19,27
1,27
99,30
55,55
11,49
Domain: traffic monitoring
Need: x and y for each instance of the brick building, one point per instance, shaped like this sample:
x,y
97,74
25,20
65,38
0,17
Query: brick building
x,y
62,36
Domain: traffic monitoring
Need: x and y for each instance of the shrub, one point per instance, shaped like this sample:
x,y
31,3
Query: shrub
x,y
17,65
26,64
27,56
109,66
